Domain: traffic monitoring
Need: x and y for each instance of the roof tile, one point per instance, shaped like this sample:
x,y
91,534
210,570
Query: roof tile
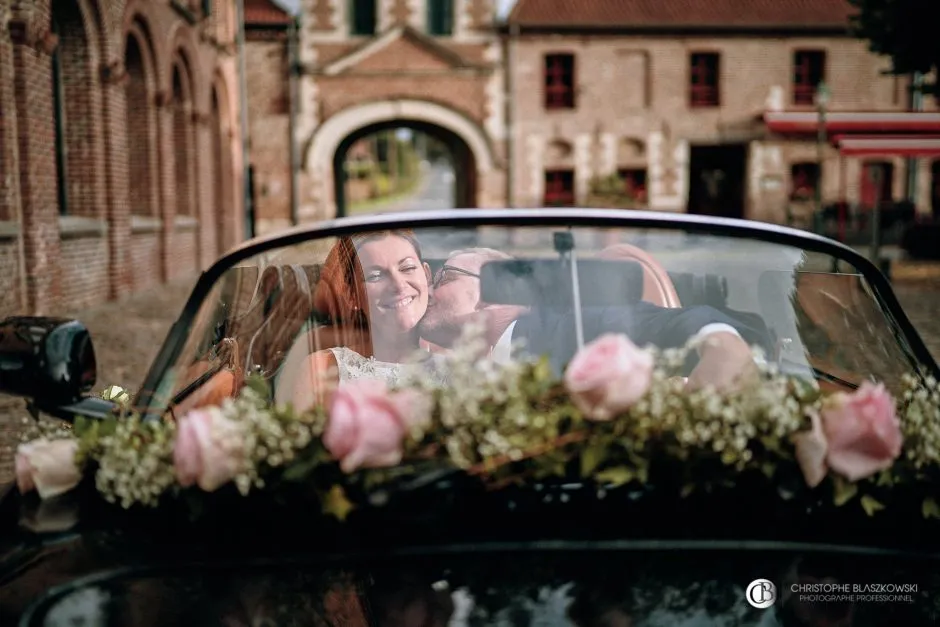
x,y
682,13
265,13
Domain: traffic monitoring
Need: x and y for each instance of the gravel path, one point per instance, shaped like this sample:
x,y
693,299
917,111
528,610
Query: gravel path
x,y
126,335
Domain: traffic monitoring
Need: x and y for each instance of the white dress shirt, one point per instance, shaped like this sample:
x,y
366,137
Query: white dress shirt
x,y
502,350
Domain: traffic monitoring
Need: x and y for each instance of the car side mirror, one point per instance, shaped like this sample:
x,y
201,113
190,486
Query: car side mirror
x,y
50,360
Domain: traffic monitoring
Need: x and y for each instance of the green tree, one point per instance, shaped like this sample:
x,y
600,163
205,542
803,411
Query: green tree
x,y
905,31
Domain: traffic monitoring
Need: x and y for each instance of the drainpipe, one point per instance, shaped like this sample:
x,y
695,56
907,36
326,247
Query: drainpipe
x,y
293,63
917,104
508,55
246,144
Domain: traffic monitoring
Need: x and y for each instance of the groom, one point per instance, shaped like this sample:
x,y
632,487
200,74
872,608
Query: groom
x,y
725,357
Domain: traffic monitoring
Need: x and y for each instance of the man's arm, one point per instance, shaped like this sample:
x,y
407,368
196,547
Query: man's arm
x,y
725,360
664,327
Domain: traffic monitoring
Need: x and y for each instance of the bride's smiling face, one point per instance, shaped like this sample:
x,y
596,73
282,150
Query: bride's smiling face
x,y
396,283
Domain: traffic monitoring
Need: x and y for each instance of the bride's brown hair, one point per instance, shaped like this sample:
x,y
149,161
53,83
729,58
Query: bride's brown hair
x,y
341,291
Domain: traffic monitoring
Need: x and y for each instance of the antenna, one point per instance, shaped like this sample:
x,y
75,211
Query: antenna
x,y
564,246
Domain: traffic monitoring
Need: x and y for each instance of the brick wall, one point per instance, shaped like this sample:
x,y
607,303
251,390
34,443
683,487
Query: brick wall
x,y
269,122
635,90
452,82
88,205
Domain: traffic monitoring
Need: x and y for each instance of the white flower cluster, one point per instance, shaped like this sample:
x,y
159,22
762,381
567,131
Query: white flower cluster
x,y
920,420
724,423
482,401
44,427
135,463
491,410
271,437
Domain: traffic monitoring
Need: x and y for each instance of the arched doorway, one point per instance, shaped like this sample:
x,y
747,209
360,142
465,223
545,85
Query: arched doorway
x,y
461,192
186,223
466,140
141,124
77,130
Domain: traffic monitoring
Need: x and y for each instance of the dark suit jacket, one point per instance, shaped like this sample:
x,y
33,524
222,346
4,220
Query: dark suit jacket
x,y
552,332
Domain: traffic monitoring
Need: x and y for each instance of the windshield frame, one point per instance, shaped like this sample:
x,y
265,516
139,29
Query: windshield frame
x,y
548,217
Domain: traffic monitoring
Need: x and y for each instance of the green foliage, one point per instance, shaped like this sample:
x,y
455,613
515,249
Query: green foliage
x,y
509,424
611,192
611,185
903,30
360,169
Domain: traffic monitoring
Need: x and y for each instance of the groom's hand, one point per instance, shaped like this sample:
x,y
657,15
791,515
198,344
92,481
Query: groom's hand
x,y
725,362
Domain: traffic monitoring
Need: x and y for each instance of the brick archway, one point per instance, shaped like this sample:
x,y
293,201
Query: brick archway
x,y
468,142
462,160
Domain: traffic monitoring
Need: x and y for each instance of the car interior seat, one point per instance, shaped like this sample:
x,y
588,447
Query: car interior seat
x,y
658,287
266,330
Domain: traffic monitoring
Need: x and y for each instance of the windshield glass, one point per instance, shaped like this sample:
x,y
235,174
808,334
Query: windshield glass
x,y
375,304
592,589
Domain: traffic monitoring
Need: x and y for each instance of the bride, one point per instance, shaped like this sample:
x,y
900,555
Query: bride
x,y
376,286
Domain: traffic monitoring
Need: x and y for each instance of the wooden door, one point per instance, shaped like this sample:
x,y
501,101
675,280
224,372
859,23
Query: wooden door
x,y
883,190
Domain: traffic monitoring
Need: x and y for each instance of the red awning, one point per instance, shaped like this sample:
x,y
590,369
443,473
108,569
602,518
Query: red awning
x,y
873,122
890,146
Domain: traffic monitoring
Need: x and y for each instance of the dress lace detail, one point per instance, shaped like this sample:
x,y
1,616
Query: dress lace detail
x,y
352,366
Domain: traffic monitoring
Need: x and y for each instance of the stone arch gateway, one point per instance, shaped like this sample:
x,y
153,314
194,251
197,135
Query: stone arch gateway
x,y
330,140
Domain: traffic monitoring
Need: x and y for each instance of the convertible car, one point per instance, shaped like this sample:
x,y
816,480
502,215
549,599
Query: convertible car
x,y
489,417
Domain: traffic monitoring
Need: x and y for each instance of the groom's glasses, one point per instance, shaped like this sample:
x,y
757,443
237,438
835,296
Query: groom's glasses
x,y
447,274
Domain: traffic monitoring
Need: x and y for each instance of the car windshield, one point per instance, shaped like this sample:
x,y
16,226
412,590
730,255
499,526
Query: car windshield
x,y
370,304
714,588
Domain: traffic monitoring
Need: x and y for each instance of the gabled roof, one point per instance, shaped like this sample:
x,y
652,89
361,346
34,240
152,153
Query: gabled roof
x,y
664,14
387,39
265,13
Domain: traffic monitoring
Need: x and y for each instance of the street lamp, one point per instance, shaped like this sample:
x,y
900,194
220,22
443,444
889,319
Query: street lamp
x,y
822,102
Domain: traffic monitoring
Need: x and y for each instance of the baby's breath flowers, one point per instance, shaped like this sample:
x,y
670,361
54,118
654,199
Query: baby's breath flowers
x,y
920,421
139,461
618,416
135,462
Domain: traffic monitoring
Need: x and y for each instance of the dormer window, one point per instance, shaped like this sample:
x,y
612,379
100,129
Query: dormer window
x,y
559,81
362,17
441,18
705,72
809,70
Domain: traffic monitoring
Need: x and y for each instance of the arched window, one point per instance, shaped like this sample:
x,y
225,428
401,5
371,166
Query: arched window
x,y
140,130
58,109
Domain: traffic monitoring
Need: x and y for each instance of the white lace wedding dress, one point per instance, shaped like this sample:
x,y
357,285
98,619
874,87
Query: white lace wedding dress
x,y
352,366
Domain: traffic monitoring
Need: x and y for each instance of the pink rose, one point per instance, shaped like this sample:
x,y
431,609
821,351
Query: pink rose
x,y
811,449
368,423
47,466
209,449
862,431
608,375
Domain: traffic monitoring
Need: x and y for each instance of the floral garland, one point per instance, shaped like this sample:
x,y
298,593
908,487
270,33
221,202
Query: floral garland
x,y
617,411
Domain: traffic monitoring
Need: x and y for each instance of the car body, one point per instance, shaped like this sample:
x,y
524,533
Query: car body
x,y
439,546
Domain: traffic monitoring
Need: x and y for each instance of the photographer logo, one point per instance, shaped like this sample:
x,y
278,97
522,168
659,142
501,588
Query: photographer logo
x,y
761,593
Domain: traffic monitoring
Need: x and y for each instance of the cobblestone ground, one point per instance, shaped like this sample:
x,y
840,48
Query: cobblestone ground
x,y
127,335
921,302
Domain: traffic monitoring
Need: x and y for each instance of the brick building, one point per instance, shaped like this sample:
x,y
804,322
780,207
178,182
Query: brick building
x,y
370,65
703,106
270,49
119,147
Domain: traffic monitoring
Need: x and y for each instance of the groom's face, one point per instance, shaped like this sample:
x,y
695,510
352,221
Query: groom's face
x,y
455,296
